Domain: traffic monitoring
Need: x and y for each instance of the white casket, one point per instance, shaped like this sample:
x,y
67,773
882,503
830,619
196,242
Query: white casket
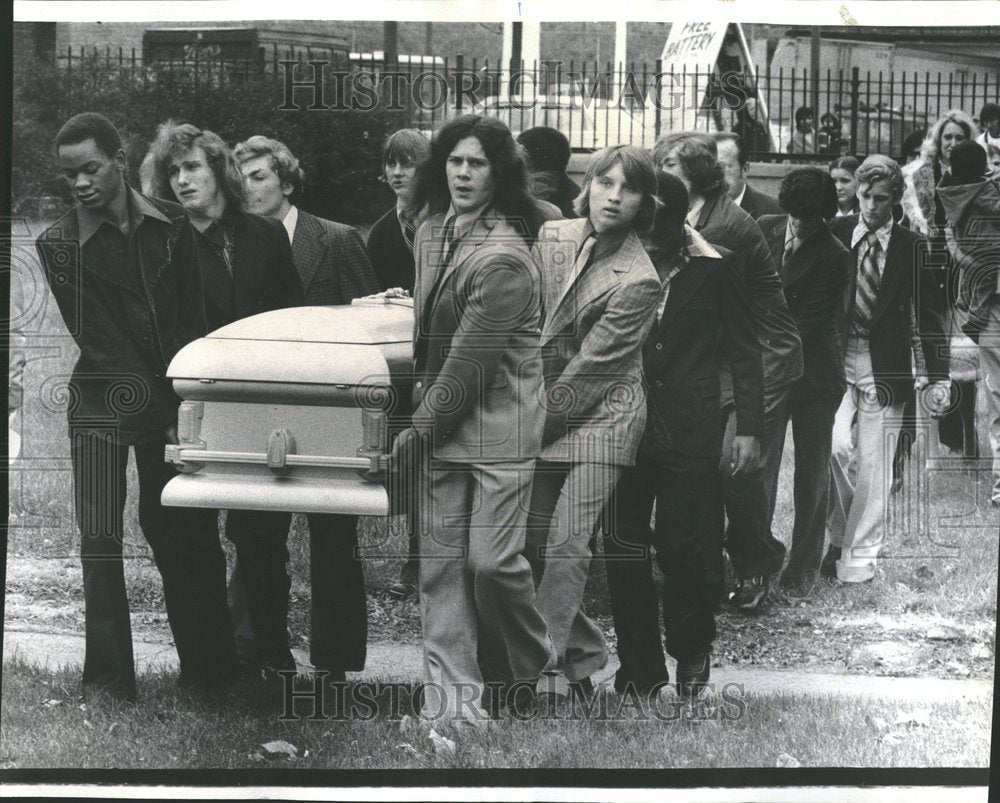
x,y
291,409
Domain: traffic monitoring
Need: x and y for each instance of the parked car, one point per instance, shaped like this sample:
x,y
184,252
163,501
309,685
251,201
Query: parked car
x,y
293,409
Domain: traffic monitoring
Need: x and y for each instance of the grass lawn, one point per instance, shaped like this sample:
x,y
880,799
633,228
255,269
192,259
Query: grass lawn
x,y
45,725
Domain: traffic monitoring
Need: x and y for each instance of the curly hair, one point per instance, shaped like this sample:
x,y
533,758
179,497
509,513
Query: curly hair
x,y
640,175
283,162
671,213
175,139
808,193
511,197
932,144
699,159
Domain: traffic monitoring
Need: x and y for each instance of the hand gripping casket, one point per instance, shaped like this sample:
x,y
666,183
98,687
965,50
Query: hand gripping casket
x,y
293,409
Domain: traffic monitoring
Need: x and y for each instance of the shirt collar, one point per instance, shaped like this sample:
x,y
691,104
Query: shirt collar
x,y
861,231
698,246
465,221
138,207
695,211
289,221
739,199
789,234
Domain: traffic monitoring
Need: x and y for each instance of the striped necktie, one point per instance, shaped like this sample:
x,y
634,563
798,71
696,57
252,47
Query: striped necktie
x,y
409,230
867,285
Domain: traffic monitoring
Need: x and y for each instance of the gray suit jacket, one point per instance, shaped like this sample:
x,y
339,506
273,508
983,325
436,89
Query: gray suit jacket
x,y
592,344
332,262
477,364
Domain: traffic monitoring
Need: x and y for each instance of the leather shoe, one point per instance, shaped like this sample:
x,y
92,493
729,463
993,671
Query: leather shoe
x,y
828,568
692,674
749,593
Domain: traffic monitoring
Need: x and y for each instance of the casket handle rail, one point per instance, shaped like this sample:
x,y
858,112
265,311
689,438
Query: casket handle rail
x,y
184,455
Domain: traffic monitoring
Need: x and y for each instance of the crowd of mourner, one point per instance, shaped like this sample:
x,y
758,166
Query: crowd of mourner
x,y
606,368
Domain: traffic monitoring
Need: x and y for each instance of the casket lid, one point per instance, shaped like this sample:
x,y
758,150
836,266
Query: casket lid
x,y
344,345
366,322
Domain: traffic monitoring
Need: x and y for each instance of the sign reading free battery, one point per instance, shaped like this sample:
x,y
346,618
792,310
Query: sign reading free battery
x,y
694,50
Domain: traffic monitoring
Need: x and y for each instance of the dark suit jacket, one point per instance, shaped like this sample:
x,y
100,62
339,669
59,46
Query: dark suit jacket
x,y
814,278
127,332
264,276
391,258
477,363
332,261
722,222
756,203
907,284
706,316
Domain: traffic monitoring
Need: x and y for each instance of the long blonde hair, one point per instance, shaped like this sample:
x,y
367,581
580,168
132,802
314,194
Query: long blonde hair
x,y
931,147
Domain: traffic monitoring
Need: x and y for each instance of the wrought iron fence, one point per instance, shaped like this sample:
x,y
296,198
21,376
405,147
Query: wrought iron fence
x,y
596,105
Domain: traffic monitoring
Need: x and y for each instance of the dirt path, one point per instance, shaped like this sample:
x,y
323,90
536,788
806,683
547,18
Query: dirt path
x,y
393,661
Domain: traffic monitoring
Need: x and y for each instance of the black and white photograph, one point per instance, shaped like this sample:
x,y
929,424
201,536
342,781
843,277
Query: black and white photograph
x,y
519,401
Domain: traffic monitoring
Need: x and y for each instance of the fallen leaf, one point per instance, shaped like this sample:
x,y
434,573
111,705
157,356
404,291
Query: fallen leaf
x,y
87,724
442,744
407,748
785,760
279,749
52,703
944,633
903,587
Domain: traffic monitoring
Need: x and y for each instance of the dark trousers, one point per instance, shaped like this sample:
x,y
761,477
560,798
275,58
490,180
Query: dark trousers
x,y
260,584
686,538
752,548
190,561
812,433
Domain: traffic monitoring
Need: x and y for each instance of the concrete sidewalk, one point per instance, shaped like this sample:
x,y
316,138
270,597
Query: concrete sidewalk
x,y
404,662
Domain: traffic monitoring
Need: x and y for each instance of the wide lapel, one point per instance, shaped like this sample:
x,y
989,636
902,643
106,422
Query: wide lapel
x,y
683,286
217,284
558,257
706,211
247,264
774,234
308,248
896,263
428,263
800,263
598,279
467,245
153,252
